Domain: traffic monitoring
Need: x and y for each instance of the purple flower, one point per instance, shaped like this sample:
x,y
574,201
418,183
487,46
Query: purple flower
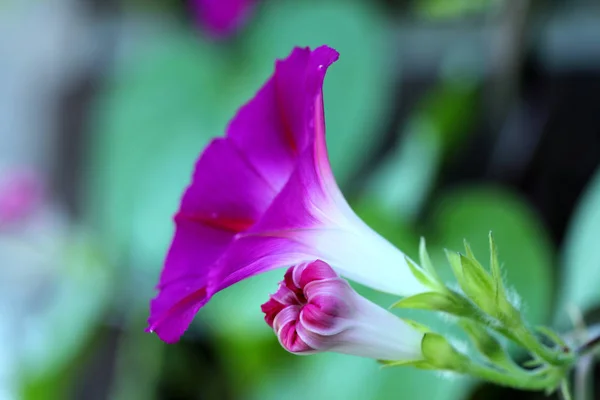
x,y
264,197
314,310
222,17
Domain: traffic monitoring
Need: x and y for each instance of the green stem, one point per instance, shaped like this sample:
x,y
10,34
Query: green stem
x,y
552,357
590,346
565,391
536,380
584,381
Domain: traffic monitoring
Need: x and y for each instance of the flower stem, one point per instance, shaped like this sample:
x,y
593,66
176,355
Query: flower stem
x,y
584,382
552,357
565,391
589,346
540,379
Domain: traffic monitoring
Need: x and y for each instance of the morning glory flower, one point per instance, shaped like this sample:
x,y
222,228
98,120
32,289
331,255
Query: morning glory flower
x,y
264,197
314,310
222,18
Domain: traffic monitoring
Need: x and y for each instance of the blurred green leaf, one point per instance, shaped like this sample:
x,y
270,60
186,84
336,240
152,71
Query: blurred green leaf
x,y
581,255
237,309
439,124
524,248
338,376
454,8
73,292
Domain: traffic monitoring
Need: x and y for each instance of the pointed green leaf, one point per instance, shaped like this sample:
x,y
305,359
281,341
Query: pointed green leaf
x,y
421,364
470,254
527,252
421,275
417,325
495,264
455,264
448,302
476,274
533,363
553,336
426,261
478,286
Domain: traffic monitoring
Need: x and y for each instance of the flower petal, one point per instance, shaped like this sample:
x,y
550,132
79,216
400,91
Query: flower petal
x,y
275,127
235,181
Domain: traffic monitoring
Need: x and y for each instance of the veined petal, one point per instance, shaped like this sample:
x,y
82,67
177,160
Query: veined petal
x,y
310,219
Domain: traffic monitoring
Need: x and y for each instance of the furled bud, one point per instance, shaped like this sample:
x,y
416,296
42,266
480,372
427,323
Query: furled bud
x,y
314,310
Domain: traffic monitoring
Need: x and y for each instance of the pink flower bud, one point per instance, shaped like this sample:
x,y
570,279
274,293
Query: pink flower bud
x,y
315,310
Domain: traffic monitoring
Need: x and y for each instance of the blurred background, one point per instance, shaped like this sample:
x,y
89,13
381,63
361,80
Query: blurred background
x,y
445,118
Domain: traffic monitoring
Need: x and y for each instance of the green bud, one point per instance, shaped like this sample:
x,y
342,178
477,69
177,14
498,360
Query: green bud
x,y
440,354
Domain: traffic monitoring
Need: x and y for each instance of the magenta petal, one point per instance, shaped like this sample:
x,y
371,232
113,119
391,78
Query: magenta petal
x,y
277,125
315,271
235,181
285,234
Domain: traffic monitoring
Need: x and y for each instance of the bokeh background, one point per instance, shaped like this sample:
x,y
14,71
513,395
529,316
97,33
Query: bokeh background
x,y
446,119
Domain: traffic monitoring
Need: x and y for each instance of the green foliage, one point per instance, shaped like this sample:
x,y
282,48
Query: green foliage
x,y
488,345
581,255
413,383
448,302
526,251
433,133
454,9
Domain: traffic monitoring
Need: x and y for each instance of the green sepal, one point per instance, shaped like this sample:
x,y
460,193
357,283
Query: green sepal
x,y
455,264
448,302
495,268
421,275
427,264
553,336
478,285
440,354
488,345
534,363
470,254
417,325
421,364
